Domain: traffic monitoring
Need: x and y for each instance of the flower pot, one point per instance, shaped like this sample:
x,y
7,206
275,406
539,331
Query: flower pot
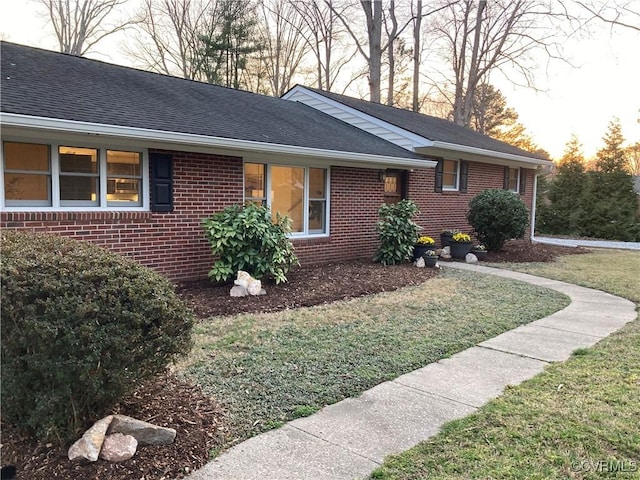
x,y
459,250
480,254
430,260
420,250
445,239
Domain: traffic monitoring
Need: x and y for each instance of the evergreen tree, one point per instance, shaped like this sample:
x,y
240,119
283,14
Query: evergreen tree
x,y
610,206
562,213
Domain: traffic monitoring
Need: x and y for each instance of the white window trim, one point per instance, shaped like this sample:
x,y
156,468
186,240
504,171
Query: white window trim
x,y
305,233
55,206
446,188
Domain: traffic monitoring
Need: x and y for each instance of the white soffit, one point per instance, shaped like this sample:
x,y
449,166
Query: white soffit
x,y
453,151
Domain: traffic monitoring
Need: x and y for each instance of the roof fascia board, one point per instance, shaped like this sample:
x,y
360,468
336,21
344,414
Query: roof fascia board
x,y
481,154
417,140
177,138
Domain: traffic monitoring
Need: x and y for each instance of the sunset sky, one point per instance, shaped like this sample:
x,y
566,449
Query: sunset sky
x,y
582,99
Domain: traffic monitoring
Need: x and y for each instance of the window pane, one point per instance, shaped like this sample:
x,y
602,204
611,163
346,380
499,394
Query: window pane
x,y
78,160
287,194
254,180
391,184
26,156
78,188
450,174
317,216
317,182
513,179
123,190
19,186
123,163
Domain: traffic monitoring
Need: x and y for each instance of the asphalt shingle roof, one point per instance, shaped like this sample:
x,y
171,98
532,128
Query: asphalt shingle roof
x,y
432,128
48,84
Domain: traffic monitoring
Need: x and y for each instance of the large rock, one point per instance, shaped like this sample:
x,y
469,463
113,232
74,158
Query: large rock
x,y
238,291
145,433
420,262
118,447
254,287
471,258
89,446
242,279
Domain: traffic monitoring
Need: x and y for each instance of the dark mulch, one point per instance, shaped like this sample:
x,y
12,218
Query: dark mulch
x,y
199,422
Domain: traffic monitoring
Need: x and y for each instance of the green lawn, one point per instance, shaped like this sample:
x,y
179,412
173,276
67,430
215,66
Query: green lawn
x,y
267,369
579,419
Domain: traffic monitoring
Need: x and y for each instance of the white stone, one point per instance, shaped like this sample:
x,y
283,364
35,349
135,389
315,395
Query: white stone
x,y
471,258
118,447
446,250
254,287
420,262
145,433
238,291
242,279
89,446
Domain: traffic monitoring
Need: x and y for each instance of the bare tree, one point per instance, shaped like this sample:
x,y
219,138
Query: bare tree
x,y
479,37
417,51
623,14
80,24
169,36
283,47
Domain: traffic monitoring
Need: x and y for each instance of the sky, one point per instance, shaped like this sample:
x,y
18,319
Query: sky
x,y
602,82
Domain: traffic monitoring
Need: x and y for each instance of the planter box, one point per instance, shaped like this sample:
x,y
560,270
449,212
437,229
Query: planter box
x,y
481,254
420,250
445,239
459,250
430,261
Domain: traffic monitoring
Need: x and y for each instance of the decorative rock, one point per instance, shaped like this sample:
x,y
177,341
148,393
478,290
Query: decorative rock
x,y
471,258
118,447
446,253
262,291
243,279
420,262
145,433
254,287
238,291
89,446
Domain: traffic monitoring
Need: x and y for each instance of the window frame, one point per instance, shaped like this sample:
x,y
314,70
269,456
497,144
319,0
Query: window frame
x,y
306,232
55,203
517,178
19,204
448,188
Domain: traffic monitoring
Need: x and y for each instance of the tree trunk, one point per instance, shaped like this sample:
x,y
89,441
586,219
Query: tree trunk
x,y
390,52
416,56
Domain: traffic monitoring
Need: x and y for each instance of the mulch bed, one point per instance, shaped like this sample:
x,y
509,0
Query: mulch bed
x,y
168,401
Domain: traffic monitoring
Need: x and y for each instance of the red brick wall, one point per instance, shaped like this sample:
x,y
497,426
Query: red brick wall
x,y
174,245
171,243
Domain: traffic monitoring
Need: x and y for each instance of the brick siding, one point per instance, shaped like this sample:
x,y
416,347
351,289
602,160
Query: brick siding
x,y
174,245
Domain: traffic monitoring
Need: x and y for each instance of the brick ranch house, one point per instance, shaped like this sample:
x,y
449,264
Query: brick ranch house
x,y
134,161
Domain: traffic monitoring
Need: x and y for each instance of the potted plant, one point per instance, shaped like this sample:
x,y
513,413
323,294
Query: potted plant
x,y
480,251
460,245
445,237
423,244
430,258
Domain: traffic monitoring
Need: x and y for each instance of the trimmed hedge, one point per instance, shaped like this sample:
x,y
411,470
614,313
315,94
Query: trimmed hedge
x,y
81,327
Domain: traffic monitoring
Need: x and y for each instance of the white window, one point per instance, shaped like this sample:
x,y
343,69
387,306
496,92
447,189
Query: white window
x,y
71,176
513,180
450,174
300,193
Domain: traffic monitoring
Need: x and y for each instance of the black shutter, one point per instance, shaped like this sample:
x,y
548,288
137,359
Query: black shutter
x,y
439,169
523,181
161,182
506,178
464,176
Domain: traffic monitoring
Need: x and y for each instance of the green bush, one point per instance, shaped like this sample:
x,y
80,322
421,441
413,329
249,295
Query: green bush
x,y
81,327
246,238
397,232
497,216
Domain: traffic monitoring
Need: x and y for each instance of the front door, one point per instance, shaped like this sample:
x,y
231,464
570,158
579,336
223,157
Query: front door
x,y
395,187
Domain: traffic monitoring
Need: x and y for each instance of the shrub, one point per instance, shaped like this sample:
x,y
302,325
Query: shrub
x,y
81,327
497,216
246,238
397,232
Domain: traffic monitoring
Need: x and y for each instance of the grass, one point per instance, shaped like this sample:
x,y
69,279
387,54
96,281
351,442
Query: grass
x,y
267,369
579,419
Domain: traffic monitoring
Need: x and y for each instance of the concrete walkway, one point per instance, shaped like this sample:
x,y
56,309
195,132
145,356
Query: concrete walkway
x,y
576,242
351,438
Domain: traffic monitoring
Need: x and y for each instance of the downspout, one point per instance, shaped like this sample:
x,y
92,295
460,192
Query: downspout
x,y
533,205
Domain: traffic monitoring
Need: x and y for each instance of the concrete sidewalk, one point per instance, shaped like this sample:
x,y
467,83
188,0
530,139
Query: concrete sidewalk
x,y
351,438
576,242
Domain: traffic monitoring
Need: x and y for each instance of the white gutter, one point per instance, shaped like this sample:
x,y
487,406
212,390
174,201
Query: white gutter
x,y
89,128
484,152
